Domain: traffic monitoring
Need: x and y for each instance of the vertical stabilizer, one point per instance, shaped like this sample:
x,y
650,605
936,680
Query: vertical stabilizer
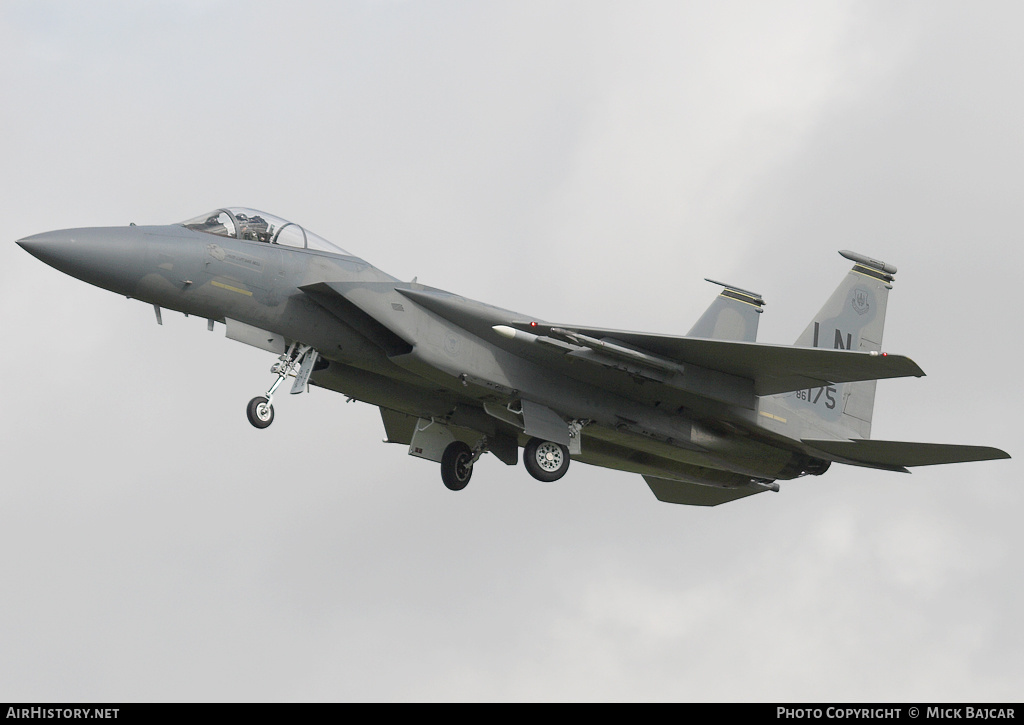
x,y
853,318
733,315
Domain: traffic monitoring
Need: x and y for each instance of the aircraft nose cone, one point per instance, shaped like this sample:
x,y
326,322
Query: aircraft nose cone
x,y
48,247
107,257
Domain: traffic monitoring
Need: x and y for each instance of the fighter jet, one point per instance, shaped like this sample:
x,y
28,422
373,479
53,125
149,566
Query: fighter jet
x,y
705,418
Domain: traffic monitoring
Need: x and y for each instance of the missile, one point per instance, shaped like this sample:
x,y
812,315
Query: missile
x,y
606,352
511,333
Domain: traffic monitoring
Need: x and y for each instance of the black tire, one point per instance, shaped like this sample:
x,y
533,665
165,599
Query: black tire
x,y
260,412
456,469
546,461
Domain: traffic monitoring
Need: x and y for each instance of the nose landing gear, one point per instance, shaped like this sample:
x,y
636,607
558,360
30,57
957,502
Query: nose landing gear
x,y
260,412
298,361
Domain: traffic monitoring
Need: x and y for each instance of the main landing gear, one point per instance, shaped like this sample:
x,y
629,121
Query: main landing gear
x,y
298,360
457,464
546,461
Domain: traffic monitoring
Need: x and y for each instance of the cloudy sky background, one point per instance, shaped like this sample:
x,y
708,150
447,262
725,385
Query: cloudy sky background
x,y
586,162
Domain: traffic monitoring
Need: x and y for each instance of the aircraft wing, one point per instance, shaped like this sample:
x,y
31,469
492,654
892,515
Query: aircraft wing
x,y
899,455
773,368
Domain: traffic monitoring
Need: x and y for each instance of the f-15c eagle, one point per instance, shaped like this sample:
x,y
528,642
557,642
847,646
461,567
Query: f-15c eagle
x,y
706,418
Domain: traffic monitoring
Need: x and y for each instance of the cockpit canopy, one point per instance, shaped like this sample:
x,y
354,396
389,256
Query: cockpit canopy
x,y
256,226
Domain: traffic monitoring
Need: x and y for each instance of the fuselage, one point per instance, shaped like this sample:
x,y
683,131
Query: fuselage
x,y
419,351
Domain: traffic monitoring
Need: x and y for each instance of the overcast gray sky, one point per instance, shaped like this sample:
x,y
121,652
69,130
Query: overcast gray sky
x,y
588,162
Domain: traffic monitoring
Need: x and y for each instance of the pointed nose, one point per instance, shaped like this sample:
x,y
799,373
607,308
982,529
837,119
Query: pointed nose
x,y
104,256
49,247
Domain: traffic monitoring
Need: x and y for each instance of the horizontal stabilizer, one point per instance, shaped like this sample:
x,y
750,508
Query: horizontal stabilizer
x,y
695,494
899,455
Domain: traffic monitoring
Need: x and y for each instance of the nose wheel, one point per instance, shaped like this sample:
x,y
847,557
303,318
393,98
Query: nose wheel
x,y
260,412
297,361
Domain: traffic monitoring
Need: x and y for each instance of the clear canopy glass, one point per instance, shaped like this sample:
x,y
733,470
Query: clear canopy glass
x,y
256,226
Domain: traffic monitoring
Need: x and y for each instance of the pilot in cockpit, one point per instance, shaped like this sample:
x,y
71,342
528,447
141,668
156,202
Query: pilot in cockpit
x,y
254,228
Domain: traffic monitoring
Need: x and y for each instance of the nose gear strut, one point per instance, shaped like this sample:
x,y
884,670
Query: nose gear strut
x,y
297,361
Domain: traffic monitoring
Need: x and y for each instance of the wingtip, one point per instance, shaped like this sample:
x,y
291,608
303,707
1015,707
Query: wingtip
x,y
911,368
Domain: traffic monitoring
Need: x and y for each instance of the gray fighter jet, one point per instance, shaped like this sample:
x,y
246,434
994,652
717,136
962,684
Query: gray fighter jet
x,y
707,418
